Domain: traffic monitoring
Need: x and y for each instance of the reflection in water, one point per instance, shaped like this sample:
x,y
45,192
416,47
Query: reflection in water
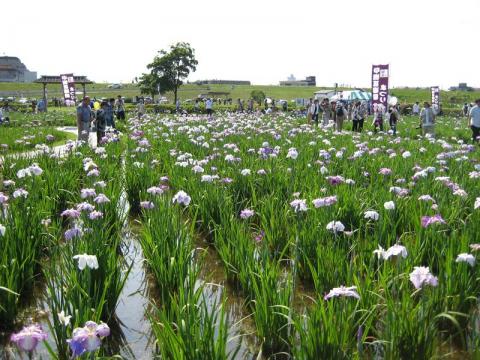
x,y
131,335
241,328
132,305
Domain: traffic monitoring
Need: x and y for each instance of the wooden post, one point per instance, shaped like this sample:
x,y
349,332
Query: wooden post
x,y
84,92
45,95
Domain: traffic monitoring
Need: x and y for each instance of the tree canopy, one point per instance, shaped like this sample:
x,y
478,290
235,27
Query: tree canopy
x,y
258,96
168,70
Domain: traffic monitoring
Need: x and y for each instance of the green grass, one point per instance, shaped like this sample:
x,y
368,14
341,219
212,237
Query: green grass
x,y
54,117
26,138
191,91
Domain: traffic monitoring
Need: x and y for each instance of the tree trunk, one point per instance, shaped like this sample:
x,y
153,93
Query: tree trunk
x,y
177,80
175,94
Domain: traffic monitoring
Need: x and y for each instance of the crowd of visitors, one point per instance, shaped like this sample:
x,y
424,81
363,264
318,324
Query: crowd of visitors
x,y
323,113
100,113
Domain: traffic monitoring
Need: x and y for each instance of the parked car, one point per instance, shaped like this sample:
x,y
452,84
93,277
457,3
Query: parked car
x,y
115,86
23,101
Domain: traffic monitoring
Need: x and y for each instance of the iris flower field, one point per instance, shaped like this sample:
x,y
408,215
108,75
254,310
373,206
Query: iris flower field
x,y
260,237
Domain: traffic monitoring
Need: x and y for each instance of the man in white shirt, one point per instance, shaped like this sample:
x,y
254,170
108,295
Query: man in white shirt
x,y
209,107
475,120
315,110
140,108
416,109
427,120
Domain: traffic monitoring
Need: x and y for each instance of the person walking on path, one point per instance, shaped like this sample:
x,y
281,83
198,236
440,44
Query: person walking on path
x,y
378,118
101,121
427,120
250,105
356,117
416,109
393,119
325,106
239,105
84,118
109,113
209,107
120,108
4,114
475,121
315,111
340,114
140,108
362,114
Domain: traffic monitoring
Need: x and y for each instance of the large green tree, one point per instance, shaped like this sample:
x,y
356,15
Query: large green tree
x,y
168,70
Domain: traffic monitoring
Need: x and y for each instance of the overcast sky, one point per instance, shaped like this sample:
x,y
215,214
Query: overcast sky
x,y
426,42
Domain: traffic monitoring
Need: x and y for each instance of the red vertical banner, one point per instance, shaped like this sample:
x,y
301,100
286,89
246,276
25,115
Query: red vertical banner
x,y
380,74
68,86
435,97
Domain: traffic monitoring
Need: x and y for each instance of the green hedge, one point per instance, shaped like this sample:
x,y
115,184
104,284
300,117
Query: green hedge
x,y
170,108
406,109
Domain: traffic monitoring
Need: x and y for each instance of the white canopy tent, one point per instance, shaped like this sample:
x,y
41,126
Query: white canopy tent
x,y
352,95
360,95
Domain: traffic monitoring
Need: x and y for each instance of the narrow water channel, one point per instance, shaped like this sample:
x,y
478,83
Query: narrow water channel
x,y
131,336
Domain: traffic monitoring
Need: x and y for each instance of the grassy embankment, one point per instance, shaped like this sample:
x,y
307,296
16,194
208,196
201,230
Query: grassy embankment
x,y
191,91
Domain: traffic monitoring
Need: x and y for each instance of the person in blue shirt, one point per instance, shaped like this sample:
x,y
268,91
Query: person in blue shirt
x,y
84,118
109,110
41,105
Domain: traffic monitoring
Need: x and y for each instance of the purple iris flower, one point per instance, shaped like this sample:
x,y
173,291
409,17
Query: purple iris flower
x,y
72,213
147,204
27,339
259,237
429,220
88,338
73,232
335,180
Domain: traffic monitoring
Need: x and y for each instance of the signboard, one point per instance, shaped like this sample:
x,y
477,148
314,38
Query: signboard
x,y
68,86
435,96
380,75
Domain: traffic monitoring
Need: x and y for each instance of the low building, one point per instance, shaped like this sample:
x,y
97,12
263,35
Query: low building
x,y
461,87
13,70
309,81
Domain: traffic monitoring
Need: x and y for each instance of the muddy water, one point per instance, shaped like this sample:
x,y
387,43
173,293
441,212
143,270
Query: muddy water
x,y
242,327
139,343
135,331
131,334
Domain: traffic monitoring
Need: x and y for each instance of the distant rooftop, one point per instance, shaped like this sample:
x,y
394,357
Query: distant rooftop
x,y
54,79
